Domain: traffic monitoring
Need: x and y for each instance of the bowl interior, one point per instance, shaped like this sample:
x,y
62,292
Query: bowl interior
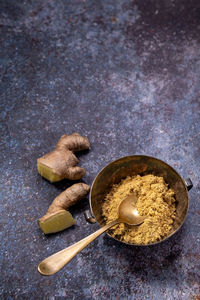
x,y
114,172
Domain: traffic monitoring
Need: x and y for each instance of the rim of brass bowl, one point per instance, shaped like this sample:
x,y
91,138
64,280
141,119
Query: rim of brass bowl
x,y
124,166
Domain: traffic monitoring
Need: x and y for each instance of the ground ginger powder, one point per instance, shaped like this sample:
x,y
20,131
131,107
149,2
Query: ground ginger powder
x,y
155,200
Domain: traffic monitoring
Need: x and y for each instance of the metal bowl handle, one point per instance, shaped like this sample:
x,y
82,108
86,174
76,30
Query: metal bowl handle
x,y
89,217
188,183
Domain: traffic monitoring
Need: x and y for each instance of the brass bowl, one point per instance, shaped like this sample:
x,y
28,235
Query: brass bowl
x,y
142,165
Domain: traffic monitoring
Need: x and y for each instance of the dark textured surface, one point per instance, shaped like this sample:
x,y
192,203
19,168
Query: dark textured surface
x,y
127,75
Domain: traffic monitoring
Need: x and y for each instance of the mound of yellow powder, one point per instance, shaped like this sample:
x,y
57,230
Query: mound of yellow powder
x,y
155,200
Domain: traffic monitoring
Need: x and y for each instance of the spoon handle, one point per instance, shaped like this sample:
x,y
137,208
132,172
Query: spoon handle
x,y
57,261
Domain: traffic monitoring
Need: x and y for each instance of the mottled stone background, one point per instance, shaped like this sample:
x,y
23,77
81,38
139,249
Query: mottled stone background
x,y
127,75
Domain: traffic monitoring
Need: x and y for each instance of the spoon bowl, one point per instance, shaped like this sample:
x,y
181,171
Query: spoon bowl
x,y
127,213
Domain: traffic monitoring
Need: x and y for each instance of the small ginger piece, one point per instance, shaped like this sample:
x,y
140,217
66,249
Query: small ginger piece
x,y
57,217
56,222
62,163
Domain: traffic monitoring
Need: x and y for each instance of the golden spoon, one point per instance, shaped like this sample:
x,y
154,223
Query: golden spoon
x,y
127,213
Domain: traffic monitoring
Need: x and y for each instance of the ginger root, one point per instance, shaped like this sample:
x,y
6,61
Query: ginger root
x,y
57,217
62,163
